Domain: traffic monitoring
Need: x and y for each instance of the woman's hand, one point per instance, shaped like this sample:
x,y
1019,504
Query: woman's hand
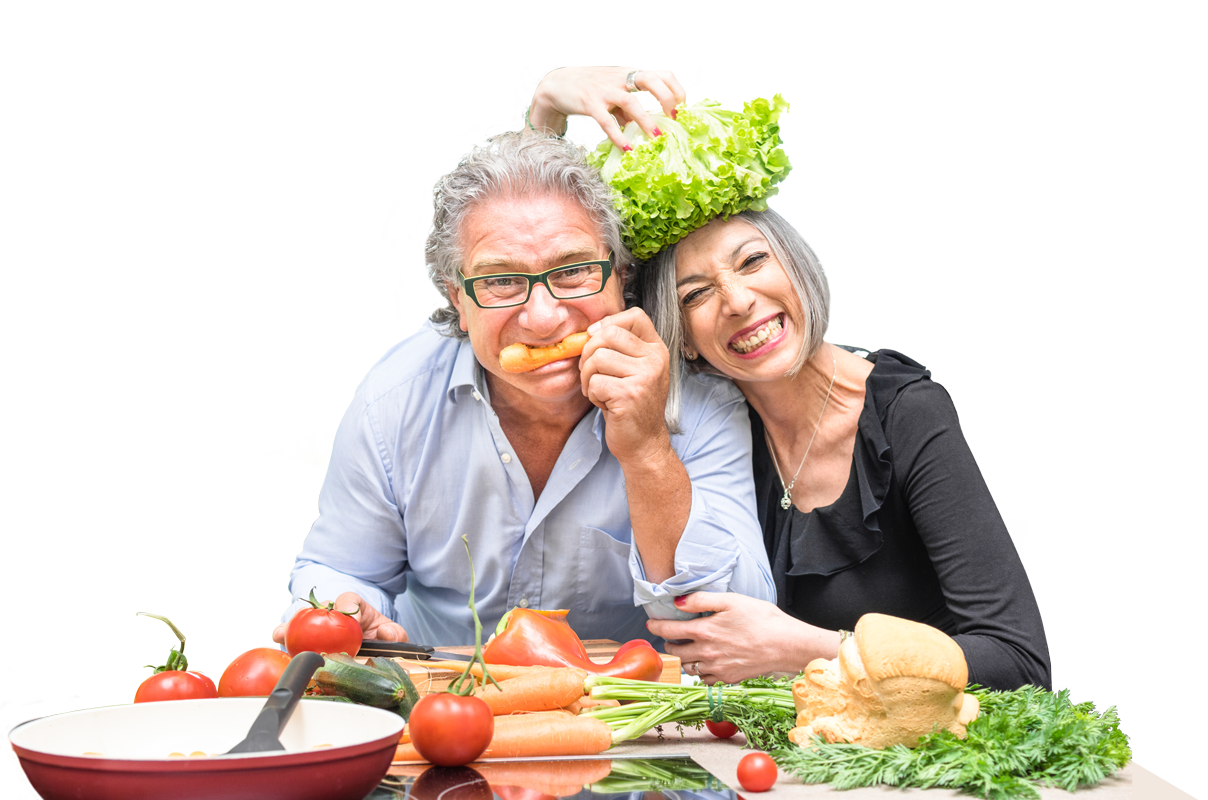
x,y
374,625
601,93
743,637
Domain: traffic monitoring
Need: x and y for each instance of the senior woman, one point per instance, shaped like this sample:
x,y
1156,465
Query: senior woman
x,y
869,497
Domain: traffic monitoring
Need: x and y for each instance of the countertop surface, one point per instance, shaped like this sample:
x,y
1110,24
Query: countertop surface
x,y
721,756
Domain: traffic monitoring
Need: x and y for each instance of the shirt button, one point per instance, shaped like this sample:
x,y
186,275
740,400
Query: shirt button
x,y
506,458
476,395
524,602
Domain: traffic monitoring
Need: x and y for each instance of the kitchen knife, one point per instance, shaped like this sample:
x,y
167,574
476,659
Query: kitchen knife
x,y
421,652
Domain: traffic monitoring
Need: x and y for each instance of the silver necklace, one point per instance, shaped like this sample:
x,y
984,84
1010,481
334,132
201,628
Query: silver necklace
x,y
787,500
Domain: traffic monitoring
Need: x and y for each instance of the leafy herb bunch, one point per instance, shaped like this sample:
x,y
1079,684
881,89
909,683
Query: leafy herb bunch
x,y
1019,740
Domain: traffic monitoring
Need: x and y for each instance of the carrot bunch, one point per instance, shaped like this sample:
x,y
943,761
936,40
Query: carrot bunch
x,y
536,714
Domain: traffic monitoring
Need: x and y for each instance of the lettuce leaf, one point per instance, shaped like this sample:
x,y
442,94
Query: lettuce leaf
x,y
708,162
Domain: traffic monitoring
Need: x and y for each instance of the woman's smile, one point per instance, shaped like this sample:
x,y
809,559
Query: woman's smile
x,y
757,339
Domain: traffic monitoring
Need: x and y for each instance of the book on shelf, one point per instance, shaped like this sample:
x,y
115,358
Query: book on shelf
x,y
1096,133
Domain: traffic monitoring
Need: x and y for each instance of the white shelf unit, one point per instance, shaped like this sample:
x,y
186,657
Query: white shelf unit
x,y
1105,206
1058,351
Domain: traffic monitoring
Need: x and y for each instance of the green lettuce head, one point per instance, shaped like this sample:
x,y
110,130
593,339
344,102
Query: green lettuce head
x,y
708,162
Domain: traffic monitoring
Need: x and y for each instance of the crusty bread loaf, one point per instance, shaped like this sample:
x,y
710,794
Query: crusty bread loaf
x,y
893,682
892,647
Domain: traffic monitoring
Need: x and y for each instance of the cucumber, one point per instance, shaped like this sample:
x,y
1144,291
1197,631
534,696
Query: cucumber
x,y
381,683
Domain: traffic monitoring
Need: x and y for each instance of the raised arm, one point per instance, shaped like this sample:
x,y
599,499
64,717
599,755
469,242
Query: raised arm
x,y
603,94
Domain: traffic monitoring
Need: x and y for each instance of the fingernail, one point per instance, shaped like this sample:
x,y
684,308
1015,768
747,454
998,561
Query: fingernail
x,y
683,598
626,148
657,132
593,329
674,113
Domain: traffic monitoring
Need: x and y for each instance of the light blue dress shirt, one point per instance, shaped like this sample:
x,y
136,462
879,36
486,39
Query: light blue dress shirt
x,y
420,459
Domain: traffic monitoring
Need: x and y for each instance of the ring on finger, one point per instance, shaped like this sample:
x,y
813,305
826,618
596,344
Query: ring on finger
x,y
630,83
692,668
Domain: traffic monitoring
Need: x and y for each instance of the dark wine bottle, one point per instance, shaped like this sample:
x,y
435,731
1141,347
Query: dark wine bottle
x,y
1057,485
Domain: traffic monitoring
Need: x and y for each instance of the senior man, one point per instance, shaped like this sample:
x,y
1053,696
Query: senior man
x,y
566,481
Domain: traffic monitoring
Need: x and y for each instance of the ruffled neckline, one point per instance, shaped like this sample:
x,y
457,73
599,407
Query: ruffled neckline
x,y
824,541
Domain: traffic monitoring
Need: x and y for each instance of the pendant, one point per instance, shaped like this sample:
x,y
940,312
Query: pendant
x,y
786,501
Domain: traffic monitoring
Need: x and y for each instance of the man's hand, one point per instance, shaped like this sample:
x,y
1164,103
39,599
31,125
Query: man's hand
x,y
742,637
625,372
373,624
602,94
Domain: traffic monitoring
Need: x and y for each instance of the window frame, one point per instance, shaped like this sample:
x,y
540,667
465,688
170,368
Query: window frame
x,y
222,508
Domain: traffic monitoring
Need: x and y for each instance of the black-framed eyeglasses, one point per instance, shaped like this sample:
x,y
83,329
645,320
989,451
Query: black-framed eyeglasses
x,y
504,289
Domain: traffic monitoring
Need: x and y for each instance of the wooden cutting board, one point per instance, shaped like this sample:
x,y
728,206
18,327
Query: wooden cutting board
x,y
599,650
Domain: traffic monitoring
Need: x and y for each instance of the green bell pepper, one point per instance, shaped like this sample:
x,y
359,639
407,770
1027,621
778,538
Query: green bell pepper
x,y
120,649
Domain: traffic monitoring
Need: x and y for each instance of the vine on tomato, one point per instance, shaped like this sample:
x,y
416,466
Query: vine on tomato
x,y
253,674
722,730
175,685
450,730
323,629
757,772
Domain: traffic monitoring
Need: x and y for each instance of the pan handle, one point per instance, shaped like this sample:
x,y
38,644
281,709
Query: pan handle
x,y
291,685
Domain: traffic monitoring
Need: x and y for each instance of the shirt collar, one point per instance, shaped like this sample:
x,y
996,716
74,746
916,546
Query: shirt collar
x,y
468,375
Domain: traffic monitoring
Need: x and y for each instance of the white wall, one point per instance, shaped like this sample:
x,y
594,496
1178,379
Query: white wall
x,y
925,299
41,411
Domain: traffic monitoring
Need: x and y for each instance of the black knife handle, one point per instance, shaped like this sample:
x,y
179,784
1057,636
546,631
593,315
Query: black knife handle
x,y
291,685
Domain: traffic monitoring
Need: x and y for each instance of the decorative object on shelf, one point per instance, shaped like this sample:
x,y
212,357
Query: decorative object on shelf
x,y
1098,140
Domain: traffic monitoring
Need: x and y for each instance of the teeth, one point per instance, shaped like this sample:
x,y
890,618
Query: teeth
x,y
758,337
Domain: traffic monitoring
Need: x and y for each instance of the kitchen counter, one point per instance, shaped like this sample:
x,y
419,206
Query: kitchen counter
x,y
721,756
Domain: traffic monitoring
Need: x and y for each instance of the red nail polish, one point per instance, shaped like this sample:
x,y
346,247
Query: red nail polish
x,y
674,112
626,148
683,598
657,132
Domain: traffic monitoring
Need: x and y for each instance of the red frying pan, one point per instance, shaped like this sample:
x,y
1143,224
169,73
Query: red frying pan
x,y
173,749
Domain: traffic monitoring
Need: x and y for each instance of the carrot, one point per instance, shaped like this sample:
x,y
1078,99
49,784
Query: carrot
x,y
557,778
536,691
590,702
541,733
500,672
522,358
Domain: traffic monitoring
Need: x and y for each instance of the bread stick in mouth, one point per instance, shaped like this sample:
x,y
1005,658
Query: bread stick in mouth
x,y
522,358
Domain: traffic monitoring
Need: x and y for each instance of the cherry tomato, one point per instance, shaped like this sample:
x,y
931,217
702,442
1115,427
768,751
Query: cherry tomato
x,y
722,730
323,629
253,674
450,730
757,772
175,685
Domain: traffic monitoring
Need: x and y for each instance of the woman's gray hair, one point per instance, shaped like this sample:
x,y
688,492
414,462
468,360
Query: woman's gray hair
x,y
658,296
516,164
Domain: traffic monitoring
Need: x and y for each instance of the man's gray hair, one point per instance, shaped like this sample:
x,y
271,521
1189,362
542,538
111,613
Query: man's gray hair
x,y
517,164
658,296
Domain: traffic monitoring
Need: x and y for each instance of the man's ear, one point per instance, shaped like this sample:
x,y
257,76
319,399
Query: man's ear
x,y
455,298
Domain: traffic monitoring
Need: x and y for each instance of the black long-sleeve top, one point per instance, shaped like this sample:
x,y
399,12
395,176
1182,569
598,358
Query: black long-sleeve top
x,y
915,534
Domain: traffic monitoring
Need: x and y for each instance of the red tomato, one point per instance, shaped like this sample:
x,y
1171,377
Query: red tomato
x,y
253,674
444,783
175,685
449,730
322,629
757,772
722,730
